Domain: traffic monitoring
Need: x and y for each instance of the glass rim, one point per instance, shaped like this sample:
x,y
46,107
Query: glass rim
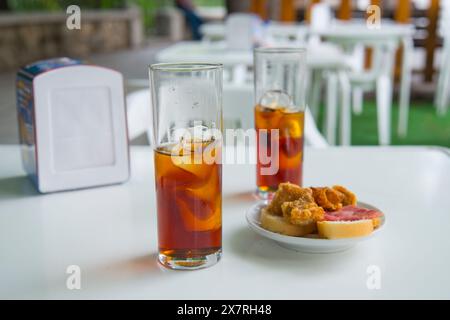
x,y
185,66
280,50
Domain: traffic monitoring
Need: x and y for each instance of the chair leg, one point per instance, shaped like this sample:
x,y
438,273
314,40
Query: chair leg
x,y
312,135
358,95
445,91
314,100
442,93
405,89
384,102
346,114
331,108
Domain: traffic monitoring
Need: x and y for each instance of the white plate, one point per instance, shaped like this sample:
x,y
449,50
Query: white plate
x,y
303,244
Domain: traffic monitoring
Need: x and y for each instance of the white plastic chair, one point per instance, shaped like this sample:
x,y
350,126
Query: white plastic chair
x,y
335,76
238,106
321,16
442,98
378,78
137,115
242,31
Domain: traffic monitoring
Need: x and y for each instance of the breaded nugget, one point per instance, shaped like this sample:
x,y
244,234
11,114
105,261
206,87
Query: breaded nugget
x,y
302,212
286,192
348,198
327,198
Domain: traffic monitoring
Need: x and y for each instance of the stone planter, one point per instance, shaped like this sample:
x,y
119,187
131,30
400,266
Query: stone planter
x,y
27,37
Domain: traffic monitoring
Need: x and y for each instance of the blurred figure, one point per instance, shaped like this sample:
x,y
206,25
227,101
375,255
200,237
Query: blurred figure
x,y
234,6
188,9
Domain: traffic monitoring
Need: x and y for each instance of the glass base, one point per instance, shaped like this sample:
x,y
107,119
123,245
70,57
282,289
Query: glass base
x,y
188,261
265,193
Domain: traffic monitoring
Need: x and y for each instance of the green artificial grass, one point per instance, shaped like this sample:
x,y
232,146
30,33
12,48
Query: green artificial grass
x,y
425,127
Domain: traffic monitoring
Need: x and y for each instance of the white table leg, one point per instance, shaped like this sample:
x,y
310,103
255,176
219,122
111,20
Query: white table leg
x,y
358,95
439,95
331,108
442,94
384,102
445,89
346,122
405,86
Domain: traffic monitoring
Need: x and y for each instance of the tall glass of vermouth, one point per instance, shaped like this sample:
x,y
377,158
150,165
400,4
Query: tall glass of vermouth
x,y
279,116
187,142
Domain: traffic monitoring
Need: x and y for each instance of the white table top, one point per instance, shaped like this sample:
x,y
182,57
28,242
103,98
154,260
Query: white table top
x,y
360,31
212,13
323,56
218,29
110,233
197,51
355,29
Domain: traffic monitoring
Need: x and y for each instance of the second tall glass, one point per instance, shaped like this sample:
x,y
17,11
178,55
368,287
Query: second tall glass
x,y
187,139
279,116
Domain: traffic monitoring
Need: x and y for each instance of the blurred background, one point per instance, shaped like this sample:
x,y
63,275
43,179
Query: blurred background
x,y
369,84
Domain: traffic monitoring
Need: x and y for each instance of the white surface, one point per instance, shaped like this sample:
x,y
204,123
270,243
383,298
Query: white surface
x,y
110,233
305,244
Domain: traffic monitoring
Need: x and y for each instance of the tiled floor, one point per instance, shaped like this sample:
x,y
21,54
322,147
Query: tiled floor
x,y
133,64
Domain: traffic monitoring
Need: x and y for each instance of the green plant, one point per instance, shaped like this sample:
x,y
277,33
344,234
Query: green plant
x,y
210,3
148,7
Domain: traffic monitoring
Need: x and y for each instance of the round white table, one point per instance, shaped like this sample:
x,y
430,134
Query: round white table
x,y
320,58
110,234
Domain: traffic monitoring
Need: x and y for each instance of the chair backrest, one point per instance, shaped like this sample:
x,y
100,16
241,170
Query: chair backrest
x,y
444,19
139,116
321,16
242,31
282,34
238,104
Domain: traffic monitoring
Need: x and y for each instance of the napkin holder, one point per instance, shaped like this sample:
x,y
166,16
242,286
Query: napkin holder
x,y
72,124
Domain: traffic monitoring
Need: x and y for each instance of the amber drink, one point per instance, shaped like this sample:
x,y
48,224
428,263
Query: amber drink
x,y
279,117
289,143
188,169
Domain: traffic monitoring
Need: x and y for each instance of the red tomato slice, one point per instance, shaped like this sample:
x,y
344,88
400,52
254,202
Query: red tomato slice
x,y
352,213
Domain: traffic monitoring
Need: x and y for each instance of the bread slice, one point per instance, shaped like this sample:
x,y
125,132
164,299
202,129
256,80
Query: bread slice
x,y
279,224
345,229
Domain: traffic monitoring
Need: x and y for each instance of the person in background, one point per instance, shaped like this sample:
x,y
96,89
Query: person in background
x,y
234,6
188,9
